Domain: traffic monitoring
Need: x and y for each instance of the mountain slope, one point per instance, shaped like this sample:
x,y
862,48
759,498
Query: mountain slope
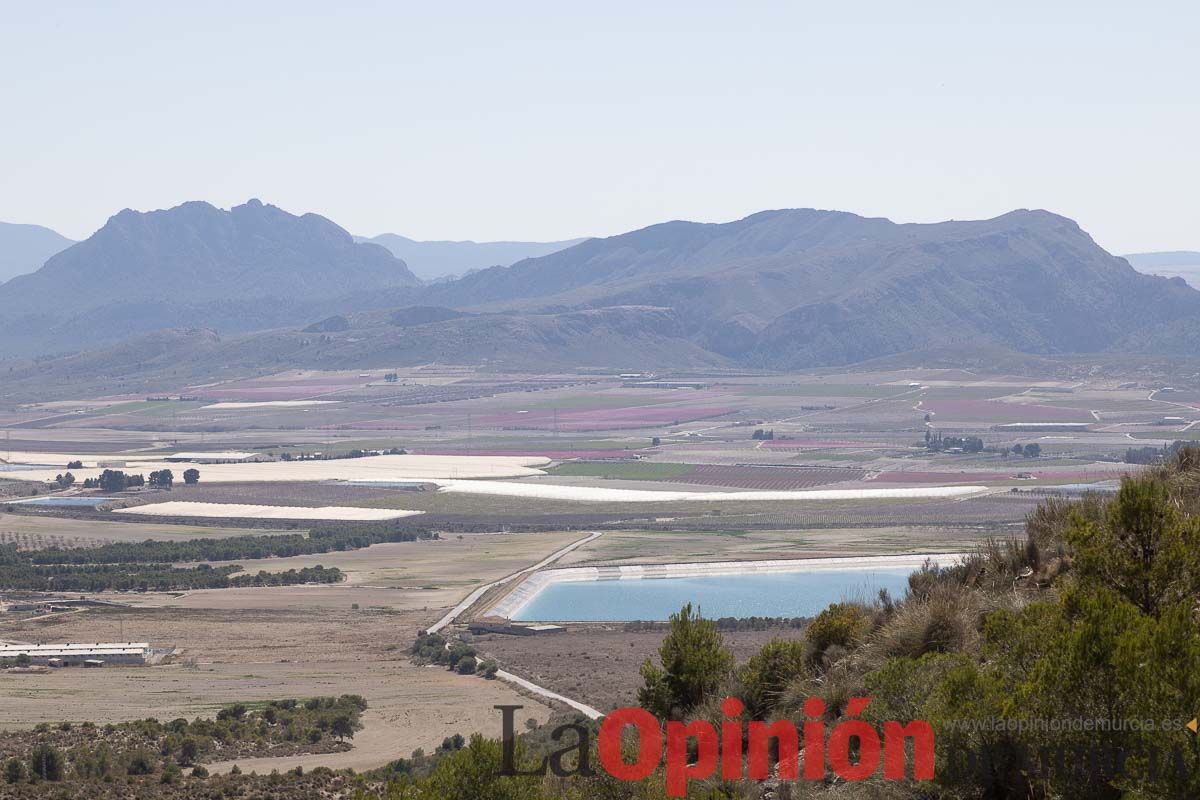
x,y
436,260
24,248
253,266
163,361
800,288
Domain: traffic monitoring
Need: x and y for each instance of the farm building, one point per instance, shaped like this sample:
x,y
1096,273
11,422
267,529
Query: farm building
x,y
219,458
80,654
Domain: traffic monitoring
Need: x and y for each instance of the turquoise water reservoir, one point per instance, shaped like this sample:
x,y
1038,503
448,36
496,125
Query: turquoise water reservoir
x,y
770,594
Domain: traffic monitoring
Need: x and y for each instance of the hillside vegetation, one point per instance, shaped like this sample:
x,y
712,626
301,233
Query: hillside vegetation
x,y
1091,622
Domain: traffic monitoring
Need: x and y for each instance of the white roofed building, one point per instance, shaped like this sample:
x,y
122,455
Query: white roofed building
x,y
76,653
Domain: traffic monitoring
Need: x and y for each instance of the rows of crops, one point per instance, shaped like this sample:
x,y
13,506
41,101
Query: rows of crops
x,y
732,476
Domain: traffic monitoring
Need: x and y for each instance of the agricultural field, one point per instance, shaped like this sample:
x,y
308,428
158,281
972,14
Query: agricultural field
x,y
508,471
248,655
35,531
737,477
732,544
259,643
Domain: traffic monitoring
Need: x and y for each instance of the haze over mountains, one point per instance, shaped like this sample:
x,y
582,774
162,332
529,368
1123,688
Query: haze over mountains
x,y
24,248
779,289
1175,263
802,288
434,260
252,267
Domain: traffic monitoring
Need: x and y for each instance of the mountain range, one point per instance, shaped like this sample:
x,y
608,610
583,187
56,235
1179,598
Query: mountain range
x,y
802,288
784,289
24,248
439,260
254,266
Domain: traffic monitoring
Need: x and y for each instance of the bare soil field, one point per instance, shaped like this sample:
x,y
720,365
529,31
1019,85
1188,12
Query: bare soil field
x,y
247,656
274,642
598,664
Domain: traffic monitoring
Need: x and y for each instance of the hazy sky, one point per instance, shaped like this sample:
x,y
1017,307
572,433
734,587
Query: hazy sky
x,y
547,120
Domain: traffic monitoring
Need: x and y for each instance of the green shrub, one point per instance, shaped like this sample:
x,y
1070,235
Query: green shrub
x,y
171,774
769,672
14,771
140,763
47,762
842,625
693,663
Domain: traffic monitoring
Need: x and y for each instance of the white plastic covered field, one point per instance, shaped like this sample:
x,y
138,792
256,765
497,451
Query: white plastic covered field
x,y
241,511
233,405
596,494
380,468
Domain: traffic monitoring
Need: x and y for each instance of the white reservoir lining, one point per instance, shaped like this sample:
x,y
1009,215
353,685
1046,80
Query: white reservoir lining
x,y
512,603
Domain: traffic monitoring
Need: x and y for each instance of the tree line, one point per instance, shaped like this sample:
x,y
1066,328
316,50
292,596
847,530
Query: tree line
x,y
88,753
21,574
1154,455
317,541
145,566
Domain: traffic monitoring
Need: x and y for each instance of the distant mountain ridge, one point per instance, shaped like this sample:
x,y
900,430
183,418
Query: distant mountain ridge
x,y
785,289
251,267
24,248
437,260
804,287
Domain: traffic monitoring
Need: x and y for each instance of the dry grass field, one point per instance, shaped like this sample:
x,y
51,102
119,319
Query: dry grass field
x,y
431,571
251,655
263,643
598,664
